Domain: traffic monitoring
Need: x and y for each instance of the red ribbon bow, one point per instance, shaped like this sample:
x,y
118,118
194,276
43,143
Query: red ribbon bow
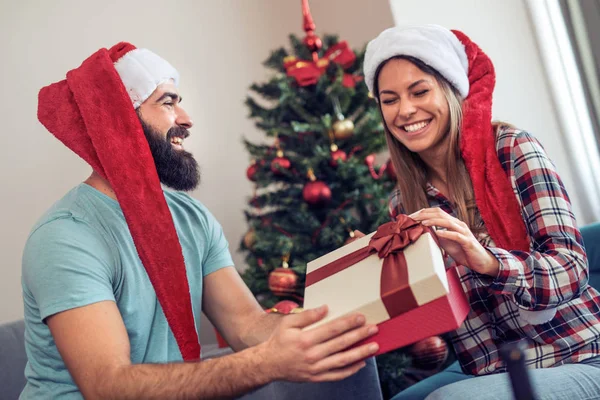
x,y
393,237
388,242
308,72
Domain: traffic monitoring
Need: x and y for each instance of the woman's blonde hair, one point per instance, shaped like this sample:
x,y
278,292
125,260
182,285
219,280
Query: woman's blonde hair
x,y
411,171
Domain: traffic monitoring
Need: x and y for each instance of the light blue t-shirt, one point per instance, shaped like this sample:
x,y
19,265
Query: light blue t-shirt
x,y
81,252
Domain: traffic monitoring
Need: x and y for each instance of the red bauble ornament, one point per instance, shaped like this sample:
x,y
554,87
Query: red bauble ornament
x,y
337,155
280,162
284,307
251,172
283,281
316,193
429,353
313,43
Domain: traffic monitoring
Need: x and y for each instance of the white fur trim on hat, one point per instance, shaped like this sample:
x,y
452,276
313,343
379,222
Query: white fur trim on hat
x,y
436,46
142,71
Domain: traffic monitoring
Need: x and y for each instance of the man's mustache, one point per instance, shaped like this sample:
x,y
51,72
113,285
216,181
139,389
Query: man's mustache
x,y
177,131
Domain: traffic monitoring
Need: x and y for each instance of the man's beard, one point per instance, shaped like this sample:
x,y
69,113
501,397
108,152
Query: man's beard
x,y
176,169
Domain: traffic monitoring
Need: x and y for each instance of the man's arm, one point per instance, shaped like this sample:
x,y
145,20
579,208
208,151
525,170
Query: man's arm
x,y
93,342
233,310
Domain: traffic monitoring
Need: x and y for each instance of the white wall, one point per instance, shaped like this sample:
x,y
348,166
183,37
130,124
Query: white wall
x,y
504,31
218,47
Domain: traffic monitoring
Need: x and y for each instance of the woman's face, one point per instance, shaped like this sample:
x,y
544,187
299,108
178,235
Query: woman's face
x,y
413,105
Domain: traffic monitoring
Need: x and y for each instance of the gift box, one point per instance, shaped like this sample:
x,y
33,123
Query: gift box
x,y
396,277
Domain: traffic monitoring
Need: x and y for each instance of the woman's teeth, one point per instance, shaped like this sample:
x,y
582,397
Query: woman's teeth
x,y
416,127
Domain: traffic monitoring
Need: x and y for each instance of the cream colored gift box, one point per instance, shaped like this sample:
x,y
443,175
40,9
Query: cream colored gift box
x,y
357,288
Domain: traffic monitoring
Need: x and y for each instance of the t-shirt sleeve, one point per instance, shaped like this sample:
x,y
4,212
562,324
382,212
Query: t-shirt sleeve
x,y
217,254
67,264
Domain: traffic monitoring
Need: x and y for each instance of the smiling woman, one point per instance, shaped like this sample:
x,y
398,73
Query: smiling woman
x,y
422,111
504,217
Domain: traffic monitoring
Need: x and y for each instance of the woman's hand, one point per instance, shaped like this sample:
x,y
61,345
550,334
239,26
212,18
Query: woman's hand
x,y
458,241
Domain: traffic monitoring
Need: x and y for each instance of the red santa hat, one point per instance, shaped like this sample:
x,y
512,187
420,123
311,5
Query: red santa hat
x,y
92,112
462,63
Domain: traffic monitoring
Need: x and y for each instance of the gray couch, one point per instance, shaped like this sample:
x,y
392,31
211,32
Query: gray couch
x,y
13,359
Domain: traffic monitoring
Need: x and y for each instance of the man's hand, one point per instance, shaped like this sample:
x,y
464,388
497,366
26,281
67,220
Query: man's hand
x,y
319,354
93,342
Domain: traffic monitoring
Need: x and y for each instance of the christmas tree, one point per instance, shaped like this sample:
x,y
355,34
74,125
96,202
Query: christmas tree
x,y
315,178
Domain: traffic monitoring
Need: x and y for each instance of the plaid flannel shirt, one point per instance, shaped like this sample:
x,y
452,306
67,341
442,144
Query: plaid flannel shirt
x,y
541,297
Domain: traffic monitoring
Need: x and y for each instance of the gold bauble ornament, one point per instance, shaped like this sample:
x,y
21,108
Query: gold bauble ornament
x,y
343,129
249,239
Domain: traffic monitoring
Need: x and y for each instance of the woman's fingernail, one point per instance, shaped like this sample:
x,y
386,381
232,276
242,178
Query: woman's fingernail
x,y
372,330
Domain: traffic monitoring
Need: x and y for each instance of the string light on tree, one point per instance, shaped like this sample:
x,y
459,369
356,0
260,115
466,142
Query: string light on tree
x,y
351,234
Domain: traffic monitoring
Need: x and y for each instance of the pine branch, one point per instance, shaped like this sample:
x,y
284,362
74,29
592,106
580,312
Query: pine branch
x,y
299,48
258,111
329,40
275,60
270,90
301,111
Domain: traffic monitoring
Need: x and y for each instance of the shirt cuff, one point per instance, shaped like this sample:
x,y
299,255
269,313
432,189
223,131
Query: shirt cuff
x,y
509,272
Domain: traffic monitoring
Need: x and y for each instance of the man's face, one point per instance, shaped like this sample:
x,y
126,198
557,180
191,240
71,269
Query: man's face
x,y
166,125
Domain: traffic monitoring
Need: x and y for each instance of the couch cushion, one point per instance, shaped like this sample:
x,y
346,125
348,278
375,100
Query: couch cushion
x,y
12,359
591,239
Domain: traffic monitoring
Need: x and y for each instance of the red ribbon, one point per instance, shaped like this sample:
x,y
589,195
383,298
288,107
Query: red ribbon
x,y
308,72
389,243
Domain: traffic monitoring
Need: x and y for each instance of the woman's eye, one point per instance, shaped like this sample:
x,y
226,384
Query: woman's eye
x,y
421,92
168,104
388,101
